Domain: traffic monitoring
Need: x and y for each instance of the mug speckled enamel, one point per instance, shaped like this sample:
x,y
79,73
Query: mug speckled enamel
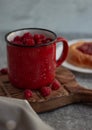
x,y
33,66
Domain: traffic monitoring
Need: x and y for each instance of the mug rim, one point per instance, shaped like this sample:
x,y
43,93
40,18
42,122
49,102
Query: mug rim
x,y
35,46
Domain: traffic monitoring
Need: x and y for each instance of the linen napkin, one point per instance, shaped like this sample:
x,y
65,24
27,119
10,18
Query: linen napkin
x,y
16,114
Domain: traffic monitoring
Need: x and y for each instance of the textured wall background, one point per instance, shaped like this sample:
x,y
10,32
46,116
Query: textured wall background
x,y
59,15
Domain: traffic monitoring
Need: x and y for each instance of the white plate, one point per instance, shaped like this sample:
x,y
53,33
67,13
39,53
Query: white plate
x,y
70,66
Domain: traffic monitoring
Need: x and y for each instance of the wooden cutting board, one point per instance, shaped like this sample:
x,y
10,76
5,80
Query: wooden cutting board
x,y
69,92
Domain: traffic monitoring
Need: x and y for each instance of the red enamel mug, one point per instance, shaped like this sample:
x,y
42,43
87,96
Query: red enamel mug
x,y
32,67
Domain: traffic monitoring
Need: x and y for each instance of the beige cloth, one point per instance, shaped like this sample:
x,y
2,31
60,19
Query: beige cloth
x,y
17,114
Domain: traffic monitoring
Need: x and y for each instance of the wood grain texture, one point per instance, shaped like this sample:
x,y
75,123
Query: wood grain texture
x,y
69,92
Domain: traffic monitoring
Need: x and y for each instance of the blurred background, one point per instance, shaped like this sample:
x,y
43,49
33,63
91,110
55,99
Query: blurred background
x,y
59,15
69,18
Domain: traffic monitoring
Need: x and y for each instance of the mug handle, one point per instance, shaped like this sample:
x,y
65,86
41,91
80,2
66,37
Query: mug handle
x,y
64,52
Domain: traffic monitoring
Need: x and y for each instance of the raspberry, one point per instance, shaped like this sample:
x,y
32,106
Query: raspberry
x,y
4,71
42,37
28,93
30,42
27,35
17,38
28,39
45,91
36,37
39,41
39,38
55,85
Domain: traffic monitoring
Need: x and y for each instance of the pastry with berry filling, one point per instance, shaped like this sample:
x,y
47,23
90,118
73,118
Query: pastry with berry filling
x,y
80,54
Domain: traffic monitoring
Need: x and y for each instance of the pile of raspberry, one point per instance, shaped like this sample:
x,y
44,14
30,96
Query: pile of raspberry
x,y
45,91
31,40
